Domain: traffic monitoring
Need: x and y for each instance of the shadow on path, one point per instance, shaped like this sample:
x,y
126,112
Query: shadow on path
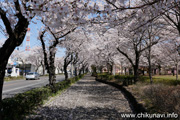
x,y
136,107
85,100
80,113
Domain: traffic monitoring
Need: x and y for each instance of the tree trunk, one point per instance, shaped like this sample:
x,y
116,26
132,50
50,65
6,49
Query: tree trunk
x,y
150,73
16,37
101,69
36,69
75,71
125,70
83,69
80,71
177,71
155,71
135,73
65,71
135,67
150,68
107,67
5,52
52,76
2,74
43,70
111,68
173,71
121,69
159,69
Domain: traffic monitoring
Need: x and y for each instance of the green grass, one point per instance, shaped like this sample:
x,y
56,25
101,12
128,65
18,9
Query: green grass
x,y
162,79
160,97
158,79
14,78
166,77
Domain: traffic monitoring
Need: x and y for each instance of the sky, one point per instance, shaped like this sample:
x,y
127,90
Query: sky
x,y
34,32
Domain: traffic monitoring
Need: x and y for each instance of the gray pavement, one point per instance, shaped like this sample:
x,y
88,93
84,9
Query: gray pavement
x,y
85,100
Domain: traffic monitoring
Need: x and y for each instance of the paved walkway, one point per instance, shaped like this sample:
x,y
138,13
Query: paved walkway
x,y
85,100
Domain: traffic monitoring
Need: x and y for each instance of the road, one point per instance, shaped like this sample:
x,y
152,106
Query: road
x,y
19,86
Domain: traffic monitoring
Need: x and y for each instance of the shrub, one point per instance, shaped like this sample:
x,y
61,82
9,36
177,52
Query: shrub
x,y
164,99
110,77
21,104
124,79
94,74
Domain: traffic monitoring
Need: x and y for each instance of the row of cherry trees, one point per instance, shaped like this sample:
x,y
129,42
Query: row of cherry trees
x,y
105,31
58,16
143,32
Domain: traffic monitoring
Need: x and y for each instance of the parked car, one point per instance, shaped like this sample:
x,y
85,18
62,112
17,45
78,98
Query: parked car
x,y
32,75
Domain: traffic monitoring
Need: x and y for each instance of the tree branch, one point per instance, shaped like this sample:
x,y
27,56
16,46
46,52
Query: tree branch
x,y
130,60
6,22
44,50
153,43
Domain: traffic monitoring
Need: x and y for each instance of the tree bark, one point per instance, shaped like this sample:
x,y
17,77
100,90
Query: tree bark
x,y
49,65
159,69
2,74
16,37
136,67
173,71
80,71
75,71
52,76
149,62
66,63
125,70
65,72
177,71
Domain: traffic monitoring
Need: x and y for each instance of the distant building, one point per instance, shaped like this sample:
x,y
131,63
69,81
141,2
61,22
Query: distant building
x,y
15,69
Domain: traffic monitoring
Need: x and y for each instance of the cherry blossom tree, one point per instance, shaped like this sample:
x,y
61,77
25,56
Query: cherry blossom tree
x,y
67,60
159,59
36,58
15,24
59,64
120,26
15,17
72,15
74,44
170,49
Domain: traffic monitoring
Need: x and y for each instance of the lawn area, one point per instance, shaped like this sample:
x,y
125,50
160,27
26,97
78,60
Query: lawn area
x,y
162,79
159,97
157,79
169,77
14,78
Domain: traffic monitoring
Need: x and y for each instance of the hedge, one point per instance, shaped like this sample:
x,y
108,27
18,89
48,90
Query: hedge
x,y
17,107
125,79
